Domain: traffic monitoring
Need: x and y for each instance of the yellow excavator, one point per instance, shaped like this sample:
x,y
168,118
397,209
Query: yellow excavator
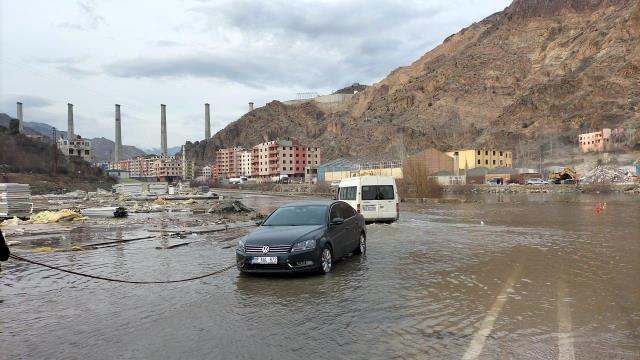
x,y
566,175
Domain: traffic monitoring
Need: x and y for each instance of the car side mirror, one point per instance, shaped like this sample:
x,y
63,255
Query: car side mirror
x,y
337,221
259,222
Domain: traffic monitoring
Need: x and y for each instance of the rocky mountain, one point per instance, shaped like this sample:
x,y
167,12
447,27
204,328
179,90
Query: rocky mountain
x,y
540,69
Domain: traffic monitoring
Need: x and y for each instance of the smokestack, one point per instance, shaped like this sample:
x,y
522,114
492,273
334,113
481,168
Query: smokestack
x,y
251,106
207,123
118,144
163,130
70,133
19,115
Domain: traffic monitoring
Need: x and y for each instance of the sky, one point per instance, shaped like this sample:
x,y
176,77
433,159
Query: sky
x,y
185,53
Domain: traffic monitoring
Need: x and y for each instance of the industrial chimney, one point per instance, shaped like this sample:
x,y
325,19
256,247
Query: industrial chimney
x,y
163,130
118,143
70,133
19,115
251,106
207,122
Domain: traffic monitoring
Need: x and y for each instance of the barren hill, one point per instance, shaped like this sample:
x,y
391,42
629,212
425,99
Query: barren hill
x,y
538,69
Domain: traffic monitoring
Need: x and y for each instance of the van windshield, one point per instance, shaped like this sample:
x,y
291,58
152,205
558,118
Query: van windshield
x,y
378,192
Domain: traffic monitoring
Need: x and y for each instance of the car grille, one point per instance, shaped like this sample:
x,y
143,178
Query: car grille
x,y
273,249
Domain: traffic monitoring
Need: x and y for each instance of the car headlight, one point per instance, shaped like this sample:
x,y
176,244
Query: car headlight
x,y
241,243
304,245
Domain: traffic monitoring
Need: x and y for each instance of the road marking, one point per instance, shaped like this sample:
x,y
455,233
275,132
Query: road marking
x,y
480,337
565,336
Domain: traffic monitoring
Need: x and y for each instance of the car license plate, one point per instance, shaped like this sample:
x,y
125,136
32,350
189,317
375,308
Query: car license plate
x,y
369,208
265,260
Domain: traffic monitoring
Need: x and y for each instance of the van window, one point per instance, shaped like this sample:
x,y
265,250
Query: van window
x,y
378,192
347,193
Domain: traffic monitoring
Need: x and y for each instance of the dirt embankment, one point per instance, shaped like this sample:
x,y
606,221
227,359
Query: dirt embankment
x,y
46,184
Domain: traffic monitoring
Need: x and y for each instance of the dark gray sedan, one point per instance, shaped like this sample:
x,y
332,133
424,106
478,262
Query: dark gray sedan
x,y
303,236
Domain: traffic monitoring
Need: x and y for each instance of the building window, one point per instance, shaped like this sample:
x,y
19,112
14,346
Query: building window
x,y
478,152
494,162
478,161
486,162
500,153
291,168
486,152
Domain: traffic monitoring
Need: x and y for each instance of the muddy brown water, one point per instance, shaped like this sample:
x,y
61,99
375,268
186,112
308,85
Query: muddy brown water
x,y
545,277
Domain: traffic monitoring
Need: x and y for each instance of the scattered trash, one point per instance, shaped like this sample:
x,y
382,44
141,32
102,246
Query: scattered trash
x,y
11,222
160,201
229,206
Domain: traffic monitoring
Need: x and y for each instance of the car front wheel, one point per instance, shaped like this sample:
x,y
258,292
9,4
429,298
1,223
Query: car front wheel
x,y
362,245
326,260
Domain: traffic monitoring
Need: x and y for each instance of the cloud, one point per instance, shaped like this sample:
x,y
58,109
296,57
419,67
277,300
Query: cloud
x,y
75,71
8,102
305,45
89,18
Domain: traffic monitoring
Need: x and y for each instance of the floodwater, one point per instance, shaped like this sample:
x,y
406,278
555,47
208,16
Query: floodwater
x,y
527,277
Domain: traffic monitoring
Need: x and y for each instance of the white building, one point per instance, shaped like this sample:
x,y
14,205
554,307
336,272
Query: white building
x,y
245,162
206,171
77,147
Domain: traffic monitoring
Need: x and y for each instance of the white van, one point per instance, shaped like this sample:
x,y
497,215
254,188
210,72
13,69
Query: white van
x,y
375,197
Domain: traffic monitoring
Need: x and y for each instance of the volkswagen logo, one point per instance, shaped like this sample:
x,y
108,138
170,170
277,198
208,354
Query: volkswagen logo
x,y
265,249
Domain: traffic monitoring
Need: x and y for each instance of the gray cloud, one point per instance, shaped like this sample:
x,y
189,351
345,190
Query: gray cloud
x,y
89,18
8,102
75,71
299,44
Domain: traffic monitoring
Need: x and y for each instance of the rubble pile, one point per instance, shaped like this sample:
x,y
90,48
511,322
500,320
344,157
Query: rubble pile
x,y
229,206
606,174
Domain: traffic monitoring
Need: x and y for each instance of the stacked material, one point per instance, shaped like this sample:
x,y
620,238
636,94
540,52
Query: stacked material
x,y
15,200
130,189
158,188
105,212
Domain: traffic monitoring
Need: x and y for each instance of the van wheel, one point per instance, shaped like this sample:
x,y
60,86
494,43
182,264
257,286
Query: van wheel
x,y
362,245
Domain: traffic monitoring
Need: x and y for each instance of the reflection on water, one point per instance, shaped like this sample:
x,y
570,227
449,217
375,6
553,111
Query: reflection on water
x,y
424,289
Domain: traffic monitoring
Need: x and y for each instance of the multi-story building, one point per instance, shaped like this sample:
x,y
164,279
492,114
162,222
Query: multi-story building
x,y
228,163
206,171
600,140
475,158
283,157
245,162
162,168
77,147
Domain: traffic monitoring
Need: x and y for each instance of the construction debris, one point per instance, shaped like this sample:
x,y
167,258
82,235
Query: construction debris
x,y
229,206
607,174
47,217
15,200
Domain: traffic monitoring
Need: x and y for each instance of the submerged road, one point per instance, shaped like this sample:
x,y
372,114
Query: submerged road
x,y
544,278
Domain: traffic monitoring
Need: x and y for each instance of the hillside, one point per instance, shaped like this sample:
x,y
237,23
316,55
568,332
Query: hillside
x,y
541,70
24,160
102,147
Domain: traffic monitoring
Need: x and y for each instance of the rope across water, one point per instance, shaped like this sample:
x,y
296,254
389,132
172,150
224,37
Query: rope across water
x,y
219,271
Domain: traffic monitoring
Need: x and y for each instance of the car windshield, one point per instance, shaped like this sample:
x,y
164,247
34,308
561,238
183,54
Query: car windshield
x,y
298,216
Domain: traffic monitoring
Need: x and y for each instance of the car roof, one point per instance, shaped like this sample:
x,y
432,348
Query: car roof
x,y
310,202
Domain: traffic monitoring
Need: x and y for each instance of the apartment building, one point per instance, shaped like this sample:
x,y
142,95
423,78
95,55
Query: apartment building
x,y
283,157
486,158
245,162
228,163
162,168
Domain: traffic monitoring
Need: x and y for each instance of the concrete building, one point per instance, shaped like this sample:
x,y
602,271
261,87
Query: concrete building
x,y
228,163
245,162
206,172
74,145
152,168
600,141
78,147
487,158
283,157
